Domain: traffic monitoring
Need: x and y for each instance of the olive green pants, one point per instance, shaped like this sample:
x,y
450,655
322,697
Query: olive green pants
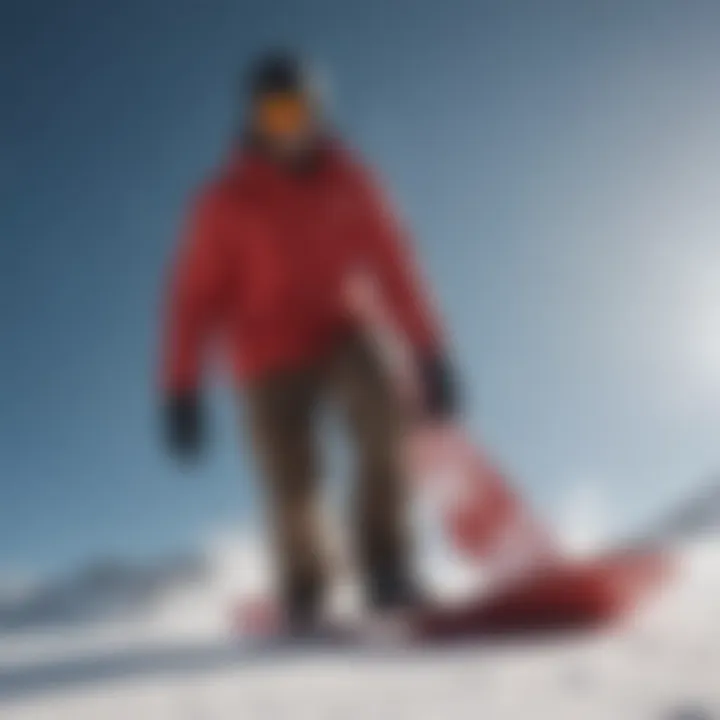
x,y
283,411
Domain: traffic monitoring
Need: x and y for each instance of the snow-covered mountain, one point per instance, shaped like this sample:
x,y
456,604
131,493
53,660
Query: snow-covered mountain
x,y
696,517
100,591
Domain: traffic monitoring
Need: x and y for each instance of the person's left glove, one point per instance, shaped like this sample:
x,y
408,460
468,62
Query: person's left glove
x,y
440,397
184,425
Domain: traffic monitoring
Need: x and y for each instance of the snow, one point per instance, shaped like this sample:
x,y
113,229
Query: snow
x,y
178,665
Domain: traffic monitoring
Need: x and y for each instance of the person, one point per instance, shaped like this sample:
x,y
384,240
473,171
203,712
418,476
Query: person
x,y
271,242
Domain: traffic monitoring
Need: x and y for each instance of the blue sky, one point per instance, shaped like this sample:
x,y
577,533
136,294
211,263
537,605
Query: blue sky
x,y
559,162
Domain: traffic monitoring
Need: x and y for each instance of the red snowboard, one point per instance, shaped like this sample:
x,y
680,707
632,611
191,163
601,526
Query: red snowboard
x,y
569,597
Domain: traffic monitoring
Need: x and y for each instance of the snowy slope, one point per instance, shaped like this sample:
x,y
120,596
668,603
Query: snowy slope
x,y
666,664
173,657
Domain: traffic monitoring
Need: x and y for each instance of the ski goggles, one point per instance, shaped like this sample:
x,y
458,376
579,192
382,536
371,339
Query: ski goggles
x,y
283,115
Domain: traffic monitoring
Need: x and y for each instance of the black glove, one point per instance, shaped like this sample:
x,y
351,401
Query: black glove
x,y
183,423
440,393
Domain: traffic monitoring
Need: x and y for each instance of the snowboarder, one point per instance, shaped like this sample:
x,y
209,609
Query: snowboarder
x,y
271,244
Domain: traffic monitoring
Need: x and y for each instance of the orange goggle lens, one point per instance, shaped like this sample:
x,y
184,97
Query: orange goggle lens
x,y
283,114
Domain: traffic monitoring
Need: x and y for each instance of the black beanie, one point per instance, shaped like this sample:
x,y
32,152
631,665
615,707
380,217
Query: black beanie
x,y
279,72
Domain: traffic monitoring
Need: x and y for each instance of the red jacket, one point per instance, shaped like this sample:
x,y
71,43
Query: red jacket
x,y
263,263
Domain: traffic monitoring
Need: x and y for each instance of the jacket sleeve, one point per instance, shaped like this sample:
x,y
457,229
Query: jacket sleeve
x,y
394,263
194,301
